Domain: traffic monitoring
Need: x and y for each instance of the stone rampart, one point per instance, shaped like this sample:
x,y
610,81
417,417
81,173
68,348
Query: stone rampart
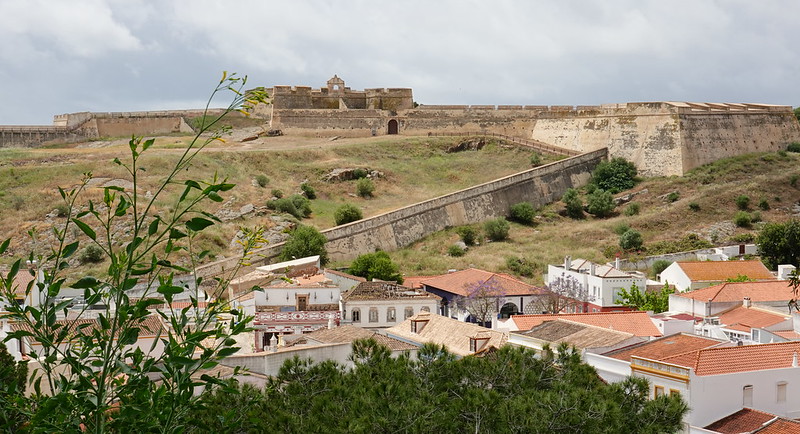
x,y
401,227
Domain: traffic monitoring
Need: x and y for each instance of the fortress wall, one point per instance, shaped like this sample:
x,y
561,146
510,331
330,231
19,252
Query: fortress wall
x,y
31,136
345,123
399,228
134,126
456,119
707,137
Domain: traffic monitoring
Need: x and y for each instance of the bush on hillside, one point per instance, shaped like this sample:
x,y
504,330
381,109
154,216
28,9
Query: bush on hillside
x,y
600,203
742,202
376,265
468,234
308,190
615,175
365,187
573,203
522,212
742,219
347,213
632,209
496,229
262,180
456,251
303,242
631,240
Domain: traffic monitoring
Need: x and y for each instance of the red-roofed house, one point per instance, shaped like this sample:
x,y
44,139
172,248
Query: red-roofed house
x,y
512,294
719,381
602,283
695,275
747,421
637,323
712,300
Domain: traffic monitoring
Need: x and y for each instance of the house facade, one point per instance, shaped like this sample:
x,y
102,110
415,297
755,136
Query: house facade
x,y
384,304
687,276
601,283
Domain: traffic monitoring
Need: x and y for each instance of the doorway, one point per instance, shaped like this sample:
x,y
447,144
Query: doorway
x,y
392,126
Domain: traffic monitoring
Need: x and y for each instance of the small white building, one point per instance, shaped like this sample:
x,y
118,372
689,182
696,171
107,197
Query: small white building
x,y
602,283
384,304
688,276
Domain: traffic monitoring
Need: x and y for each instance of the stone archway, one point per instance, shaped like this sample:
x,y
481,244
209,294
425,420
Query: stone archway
x,y
508,309
392,128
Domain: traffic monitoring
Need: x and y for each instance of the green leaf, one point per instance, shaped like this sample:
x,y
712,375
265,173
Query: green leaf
x,y
85,282
170,289
153,228
225,352
4,246
69,249
147,143
215,197
175,234
197,224
85,229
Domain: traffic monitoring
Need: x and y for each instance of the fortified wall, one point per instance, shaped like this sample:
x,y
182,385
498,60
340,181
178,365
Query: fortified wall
x,y
401,227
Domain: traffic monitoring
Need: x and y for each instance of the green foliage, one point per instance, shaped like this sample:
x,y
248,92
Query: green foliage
x,y
521,266
797,114
14,406
536,159
573,202
793,180
739,278
793,147
509,390
360,173
674,196
743,238
91,254
615,175
456,251
96,379
632,209
659,266
621,228
305,241
376,265
62,210
276,193
308,190
685,244
763,205
347,213
523,212
296,205
694,206
742,219
742,202
496,229
365,187
262,180
779,243
600,203
631,240
656,301
468,234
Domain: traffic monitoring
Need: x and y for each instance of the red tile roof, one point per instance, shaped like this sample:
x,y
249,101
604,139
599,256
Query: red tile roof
x,y
743,421
746,358
458,282
637,323
415,281
751,318
781,426
667,346
712,271
775,290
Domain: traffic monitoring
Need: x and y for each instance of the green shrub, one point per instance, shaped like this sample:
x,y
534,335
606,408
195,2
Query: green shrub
x,y
62,210
456,251
793,180
763,204
660,266
689,242
615,175
600,203
694,206
276,193
360,173
308,190
573,203
295,205
377,265
755,216
91,254
347,213
631,240
520,266
742,219
632,209
468,234
302,204
496,229
742,202
523,212
621,228
674,196
793,147
304,241
743,238
536,159
365,187
262,180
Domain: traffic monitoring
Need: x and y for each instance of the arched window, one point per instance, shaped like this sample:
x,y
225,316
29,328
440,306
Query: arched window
x,y
425,309
356,315
391,315
409,312
373,314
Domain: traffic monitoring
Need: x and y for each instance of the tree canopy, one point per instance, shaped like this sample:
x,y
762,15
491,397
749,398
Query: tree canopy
x,y
779,243
615,175
305,241
377,265
646,300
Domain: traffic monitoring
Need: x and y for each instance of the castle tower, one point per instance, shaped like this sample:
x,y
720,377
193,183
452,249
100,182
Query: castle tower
x,y
335,85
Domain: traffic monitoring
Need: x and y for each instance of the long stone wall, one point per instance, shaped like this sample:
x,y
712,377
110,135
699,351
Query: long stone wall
x,y
399,228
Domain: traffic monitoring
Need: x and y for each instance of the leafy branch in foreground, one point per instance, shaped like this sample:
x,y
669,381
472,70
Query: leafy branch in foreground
x,y
97,369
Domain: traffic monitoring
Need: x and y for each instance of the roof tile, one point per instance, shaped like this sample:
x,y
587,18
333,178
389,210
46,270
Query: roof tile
x,y
637,323
458,282
713,271
775,290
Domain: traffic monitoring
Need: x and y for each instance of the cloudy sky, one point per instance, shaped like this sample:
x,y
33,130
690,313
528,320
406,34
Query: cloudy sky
x,y
123,55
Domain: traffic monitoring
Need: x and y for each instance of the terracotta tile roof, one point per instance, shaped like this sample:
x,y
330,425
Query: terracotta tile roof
x,y
752,317
577,334
775,290
349,333
719,271
743,421
746,358
150,326
637,323
385,291
789,334
458,282
415,281
21,281
781,426
453,334
667,346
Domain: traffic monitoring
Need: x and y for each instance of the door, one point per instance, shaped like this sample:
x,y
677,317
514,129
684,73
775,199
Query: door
x,y
393,126
302,302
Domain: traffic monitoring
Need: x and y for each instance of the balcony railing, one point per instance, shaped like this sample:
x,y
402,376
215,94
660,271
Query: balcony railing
x,y
298,317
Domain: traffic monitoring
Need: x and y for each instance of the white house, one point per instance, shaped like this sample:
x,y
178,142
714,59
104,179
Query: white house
x,y
601,282
584,337
384,304
695,275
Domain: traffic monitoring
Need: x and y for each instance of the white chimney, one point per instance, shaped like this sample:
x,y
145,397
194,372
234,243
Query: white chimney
x,y
794,360
616,263
567,263
746,302
592,270
330,321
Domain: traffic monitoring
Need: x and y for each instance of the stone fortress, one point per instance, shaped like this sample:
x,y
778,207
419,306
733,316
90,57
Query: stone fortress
x,y
661,138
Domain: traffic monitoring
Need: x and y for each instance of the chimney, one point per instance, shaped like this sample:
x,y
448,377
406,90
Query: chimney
x,y
592,270
794,360
330,321
746,302
616,263
567,262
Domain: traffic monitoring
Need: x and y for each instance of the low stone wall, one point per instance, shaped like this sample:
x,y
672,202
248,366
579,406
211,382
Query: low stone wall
x,y
399,228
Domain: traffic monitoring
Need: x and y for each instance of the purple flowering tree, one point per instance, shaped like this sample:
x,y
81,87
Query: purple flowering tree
x,y
483,300
562,294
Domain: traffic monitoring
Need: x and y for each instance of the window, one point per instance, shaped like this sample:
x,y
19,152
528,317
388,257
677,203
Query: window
x,y
425,309
409,312
373,314
747,396
674,392
659,391
781,392
391,315
356,315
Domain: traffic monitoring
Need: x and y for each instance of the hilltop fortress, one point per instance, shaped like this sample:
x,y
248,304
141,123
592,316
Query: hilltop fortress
x,y
661,138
